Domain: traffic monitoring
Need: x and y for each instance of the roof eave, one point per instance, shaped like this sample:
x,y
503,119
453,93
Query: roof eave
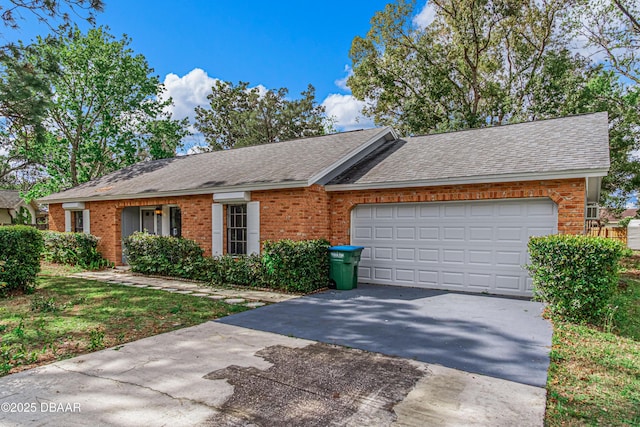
x,y
479,179
178,193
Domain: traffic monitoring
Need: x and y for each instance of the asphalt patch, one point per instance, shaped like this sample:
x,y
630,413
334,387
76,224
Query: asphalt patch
x,y
317,385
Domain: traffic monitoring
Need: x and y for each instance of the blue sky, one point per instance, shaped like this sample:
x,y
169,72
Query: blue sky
x,y
273,44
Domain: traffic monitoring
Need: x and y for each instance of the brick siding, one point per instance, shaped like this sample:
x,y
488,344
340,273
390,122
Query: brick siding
x,y
312,212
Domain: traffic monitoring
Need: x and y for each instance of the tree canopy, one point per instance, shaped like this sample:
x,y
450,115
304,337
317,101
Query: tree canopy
x,y
488,62
105,113
239,116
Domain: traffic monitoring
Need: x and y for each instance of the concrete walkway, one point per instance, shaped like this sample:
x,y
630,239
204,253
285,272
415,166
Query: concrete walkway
x,y
255,298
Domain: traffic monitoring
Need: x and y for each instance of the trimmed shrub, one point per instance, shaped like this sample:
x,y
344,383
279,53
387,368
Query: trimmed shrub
x,y
164,255
20,251
79,249
245,270
575,275
296,266
286,265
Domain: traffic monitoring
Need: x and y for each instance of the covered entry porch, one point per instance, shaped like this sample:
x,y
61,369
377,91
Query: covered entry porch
x,y
160,220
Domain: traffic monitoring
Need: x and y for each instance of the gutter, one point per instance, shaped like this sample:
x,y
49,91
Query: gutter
x,y
478,179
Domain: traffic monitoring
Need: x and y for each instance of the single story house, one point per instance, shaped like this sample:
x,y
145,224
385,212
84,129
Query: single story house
x,y
447,211
10,204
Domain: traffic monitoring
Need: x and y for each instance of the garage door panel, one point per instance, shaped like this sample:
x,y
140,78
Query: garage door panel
x,y
453,278
383,273
383,233
476,280
480,257
429,211
405,233
480,234
482,210
428,255
509,283
363,232
383,212
406,211
475,246
364,273
453,255
454,211
405,275
509,234
405,254
509,258
382,254
454,233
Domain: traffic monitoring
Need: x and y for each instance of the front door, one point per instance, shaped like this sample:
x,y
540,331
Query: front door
x,y
148,221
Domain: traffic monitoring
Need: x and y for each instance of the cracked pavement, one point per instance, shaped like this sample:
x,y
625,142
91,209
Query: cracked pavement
x,y
216,374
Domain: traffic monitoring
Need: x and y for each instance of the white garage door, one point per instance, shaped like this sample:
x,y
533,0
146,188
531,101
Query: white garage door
x,y
465,246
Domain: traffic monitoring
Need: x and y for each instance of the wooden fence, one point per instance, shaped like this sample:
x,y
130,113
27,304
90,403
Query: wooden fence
x,y
595,228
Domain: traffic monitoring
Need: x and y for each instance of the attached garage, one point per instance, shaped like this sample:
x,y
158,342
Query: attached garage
x,y
476,246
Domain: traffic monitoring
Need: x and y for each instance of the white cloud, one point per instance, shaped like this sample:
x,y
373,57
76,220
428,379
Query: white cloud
x,y
188,92
342,83
347,112
425,17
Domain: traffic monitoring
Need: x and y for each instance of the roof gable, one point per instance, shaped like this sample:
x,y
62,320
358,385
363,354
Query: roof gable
x,y
10,199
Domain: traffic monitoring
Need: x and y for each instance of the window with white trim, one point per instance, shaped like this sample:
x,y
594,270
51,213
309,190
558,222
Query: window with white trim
x,y
237,229
77,218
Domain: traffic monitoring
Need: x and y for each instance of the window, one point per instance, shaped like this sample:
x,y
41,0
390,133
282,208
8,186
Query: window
x,y
175,222
78,221
237,229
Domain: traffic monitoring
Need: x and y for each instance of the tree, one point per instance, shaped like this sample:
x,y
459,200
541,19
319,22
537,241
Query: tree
x,y
611,28
47,10
106,112
488,62
471,67
239,116
23,90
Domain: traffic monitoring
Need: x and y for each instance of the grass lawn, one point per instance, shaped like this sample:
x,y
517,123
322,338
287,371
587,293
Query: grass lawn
x,y
594,377
66,317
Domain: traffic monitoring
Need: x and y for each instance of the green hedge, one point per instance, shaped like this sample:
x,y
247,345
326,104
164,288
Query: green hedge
x,y
297,266
79,249
163,255
20,251
575,275
285,265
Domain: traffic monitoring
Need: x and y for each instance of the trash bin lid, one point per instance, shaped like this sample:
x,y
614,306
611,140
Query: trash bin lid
x,y
346,248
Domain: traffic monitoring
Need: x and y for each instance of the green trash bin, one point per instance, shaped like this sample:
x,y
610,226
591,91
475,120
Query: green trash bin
x,y
343,266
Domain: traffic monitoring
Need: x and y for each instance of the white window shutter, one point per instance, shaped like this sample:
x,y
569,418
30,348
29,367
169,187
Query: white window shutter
x,y
216,228
67,221
253,228
86,221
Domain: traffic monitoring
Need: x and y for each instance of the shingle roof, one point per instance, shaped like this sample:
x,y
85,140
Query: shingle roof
x,y
279,164
576,143
9,199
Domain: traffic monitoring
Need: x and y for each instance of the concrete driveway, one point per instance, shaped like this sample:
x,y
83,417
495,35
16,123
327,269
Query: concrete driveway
x,y
499,337
222,375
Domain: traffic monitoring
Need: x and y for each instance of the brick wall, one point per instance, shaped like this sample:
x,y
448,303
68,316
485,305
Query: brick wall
x,y
569,195
106,221
312,213
298,214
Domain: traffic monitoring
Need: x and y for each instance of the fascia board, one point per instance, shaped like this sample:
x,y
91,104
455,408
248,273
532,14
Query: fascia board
x,y
585,173
178,193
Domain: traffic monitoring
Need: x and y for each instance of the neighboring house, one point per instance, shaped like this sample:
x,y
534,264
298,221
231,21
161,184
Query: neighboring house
x,y
608,219
446,211
10,204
